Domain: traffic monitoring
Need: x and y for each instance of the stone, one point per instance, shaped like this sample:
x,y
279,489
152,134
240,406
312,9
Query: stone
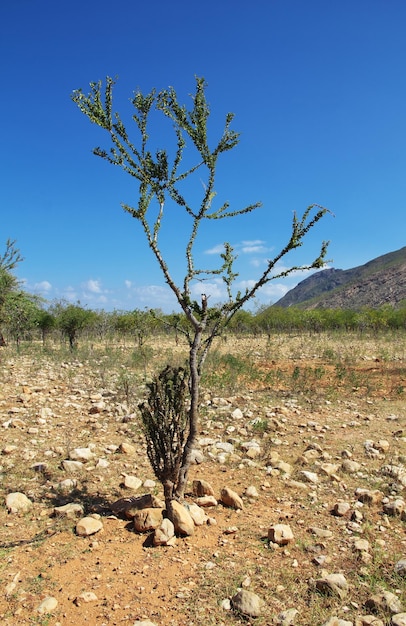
x,y
81,454
129,506
368,496
66,485
350,467
237,414
132,482
309,477
384,601
400,567
231,499
48,605
287,618
72,466
206,501
18,502
127,448
146,520
281,534
399,619
394,508
329,468
368,620
341,509
165,534
321,533
72,510
247,603
336,621
144,622
86,596
88,526
182,520
333,585
361,545
197,514
251,492
202,488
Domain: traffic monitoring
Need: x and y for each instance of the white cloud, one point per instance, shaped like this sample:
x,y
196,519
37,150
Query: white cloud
x,y
43,287
128,284
94,286
253,249
219,249
213,289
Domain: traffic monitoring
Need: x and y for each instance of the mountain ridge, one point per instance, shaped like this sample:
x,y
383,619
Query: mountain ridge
x,y
376,283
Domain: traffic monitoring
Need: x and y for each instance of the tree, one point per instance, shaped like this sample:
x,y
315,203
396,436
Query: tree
x,y
8,282
21,314
162,179
71,319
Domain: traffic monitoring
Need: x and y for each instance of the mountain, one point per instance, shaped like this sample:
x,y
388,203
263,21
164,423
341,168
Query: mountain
x,y
378,282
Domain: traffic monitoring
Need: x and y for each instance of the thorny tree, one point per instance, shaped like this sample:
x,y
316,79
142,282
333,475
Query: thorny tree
x,y
161,176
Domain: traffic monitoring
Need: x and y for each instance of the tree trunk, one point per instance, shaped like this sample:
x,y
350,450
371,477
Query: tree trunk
x,y
193,415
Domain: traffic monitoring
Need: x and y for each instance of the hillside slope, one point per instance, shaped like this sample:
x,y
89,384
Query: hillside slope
x,y
378,282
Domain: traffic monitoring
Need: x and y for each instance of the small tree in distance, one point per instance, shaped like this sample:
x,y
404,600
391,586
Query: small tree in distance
x,y
161,178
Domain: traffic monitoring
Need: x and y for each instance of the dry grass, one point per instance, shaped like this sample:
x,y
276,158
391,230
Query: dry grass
x,y
331,391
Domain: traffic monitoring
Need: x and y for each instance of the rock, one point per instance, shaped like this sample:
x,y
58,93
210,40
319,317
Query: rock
x,y
88,526
368,496
66,485
127,448
280,534
196,457
81,454
398,472
251,492
182,520
72,510
336,621
283,467
394,508
333,585
237,414
146,520
165,534
350,467
48,605
230,498
368,620
247,603
197,514
202,488
132,482
18,503
329,468
9,449
382,445
399,619
129,506
384,601
322,533
287,618
400,567
86,596
309,477
206,501
72,466
144,622
361,545
341,509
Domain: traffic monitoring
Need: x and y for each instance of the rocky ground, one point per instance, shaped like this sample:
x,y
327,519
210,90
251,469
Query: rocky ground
x,y
301,467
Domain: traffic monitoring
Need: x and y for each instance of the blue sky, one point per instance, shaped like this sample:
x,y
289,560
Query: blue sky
x,y
318,90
